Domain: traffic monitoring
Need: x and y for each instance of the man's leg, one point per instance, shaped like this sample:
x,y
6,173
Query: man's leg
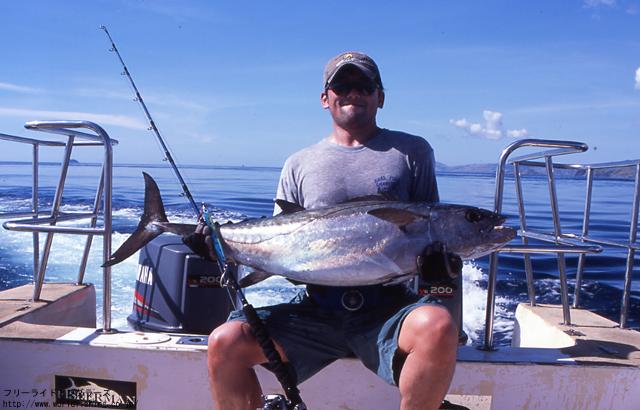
x,y
428,337
231,355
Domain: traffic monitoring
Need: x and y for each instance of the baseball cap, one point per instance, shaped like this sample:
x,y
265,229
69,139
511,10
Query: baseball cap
x,y
362,61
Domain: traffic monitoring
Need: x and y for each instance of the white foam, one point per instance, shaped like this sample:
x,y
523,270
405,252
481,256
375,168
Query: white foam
x,y
271,291
475,305
76,208
64,260
127,213
11,205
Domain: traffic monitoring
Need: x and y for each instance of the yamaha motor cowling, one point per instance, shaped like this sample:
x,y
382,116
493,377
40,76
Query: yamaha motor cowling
x,y
177,290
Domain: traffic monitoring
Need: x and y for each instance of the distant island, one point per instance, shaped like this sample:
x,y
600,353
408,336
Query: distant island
x,y
441,169
490,169
49,163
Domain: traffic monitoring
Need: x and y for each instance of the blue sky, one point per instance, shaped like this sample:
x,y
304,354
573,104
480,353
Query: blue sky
x,y
232,83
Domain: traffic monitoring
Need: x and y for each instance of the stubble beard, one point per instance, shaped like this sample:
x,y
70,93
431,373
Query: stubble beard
x,y
350,117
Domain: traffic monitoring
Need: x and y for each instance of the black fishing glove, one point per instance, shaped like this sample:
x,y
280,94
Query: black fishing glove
x,y
200,241
436,265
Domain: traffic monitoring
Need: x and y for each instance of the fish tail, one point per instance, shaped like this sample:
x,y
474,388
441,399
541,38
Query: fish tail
x,y
150,226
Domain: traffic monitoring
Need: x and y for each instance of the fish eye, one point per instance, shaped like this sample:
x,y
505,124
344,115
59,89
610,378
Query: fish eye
x,y
473,216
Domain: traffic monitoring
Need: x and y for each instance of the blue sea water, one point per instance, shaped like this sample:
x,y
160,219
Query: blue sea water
x,y
235,193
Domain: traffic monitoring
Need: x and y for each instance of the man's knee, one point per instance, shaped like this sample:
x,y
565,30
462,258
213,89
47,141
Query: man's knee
x,y
233,341
428,326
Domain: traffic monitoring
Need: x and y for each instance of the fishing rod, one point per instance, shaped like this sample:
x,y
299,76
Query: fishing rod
x,y
293,401
167,153
152,126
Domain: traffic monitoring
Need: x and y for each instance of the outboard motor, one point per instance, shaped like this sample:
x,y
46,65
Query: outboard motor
x,y
443,281
450,295
177,290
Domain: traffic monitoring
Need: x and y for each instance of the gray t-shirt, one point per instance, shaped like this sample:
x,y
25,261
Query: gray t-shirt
x,y
393,163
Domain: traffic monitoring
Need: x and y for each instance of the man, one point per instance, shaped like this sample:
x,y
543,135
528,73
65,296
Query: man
x,y
408,341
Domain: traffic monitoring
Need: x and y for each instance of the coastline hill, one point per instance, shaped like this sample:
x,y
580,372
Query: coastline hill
x,y
529,171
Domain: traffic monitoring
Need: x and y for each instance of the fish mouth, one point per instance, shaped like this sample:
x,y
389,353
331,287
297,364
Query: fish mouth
x,y
495,224
501,228
506,232
497,228
492,228
494,238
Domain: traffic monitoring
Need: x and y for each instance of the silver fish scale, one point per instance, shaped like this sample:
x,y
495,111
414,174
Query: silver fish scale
x,y
340,250
258,230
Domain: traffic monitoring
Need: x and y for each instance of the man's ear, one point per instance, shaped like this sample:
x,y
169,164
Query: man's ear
x,y
380,98
324,100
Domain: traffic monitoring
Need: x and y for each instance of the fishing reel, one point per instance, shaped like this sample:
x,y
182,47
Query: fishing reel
x,y
280,402
437,265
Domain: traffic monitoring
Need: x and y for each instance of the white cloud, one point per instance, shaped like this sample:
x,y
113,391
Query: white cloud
x,y
165,100
638,79
19,88
628,7
491,129
521,133
101,119
596,3
578,106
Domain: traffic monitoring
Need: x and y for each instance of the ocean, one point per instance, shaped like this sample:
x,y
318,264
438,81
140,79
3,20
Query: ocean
x,y
235,193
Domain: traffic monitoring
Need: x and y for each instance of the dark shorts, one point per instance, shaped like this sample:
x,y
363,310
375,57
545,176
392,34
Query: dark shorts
x,y
313,337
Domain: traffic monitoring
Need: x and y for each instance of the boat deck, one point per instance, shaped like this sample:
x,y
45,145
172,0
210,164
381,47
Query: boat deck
x,y
591,339
600,361
61,306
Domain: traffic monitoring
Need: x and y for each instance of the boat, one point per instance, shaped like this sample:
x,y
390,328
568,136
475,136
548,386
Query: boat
x,y
54,354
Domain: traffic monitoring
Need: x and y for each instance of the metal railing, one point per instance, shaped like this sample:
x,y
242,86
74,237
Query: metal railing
x,y
562,243
33,222
558,148
631,246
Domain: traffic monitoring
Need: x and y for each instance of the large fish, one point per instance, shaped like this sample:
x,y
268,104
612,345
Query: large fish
x,y
361,242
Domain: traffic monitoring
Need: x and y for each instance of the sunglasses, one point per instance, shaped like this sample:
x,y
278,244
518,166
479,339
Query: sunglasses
x,y
344,88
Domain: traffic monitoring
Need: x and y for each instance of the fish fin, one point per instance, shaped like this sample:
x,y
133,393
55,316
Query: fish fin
x,y
137,240
248,276
288,207
153,206
400,217
150,224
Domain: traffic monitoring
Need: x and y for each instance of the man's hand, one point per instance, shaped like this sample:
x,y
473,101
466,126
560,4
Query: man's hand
x,y
437,265
200,241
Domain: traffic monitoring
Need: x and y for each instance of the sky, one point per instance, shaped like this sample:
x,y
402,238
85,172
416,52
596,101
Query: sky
x,y
238,83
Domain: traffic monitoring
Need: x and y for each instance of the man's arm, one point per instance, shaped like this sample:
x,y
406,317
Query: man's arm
x,y
425,185
287,187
